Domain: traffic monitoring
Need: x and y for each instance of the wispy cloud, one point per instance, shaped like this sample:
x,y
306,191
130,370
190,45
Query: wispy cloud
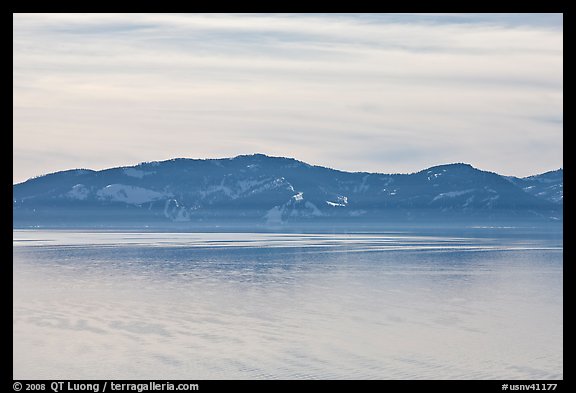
x,y
328,89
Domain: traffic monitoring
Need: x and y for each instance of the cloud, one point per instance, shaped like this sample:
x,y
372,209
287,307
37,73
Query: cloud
x,y
326,89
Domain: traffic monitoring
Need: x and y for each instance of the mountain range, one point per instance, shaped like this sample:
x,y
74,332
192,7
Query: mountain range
x,y
263,191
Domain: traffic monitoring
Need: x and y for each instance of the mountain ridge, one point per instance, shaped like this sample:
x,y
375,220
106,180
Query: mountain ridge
x,y
279,190
277,157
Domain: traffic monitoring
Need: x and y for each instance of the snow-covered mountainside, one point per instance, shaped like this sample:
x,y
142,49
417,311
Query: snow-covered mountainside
x,y
267,190
549,185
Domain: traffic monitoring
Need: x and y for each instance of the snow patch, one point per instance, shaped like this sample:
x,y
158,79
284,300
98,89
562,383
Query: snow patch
x,y
175,212
129,194
434,175
298,197
451,194
79,191
292,208
274,215
341,201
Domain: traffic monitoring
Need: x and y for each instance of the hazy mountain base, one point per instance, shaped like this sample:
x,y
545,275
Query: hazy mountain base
x,y
128,217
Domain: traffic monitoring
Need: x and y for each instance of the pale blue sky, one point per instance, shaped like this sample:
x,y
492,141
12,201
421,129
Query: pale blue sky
x,y
373,92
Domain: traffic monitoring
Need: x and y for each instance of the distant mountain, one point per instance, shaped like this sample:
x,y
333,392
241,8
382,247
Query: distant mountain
x,y
549,185
271,191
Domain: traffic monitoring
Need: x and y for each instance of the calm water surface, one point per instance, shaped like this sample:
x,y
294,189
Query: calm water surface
x,y
290,306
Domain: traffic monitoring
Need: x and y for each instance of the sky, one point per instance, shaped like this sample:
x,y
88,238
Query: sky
x,y
388,93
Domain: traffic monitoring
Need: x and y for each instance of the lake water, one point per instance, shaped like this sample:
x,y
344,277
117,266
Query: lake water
x,y
487,305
